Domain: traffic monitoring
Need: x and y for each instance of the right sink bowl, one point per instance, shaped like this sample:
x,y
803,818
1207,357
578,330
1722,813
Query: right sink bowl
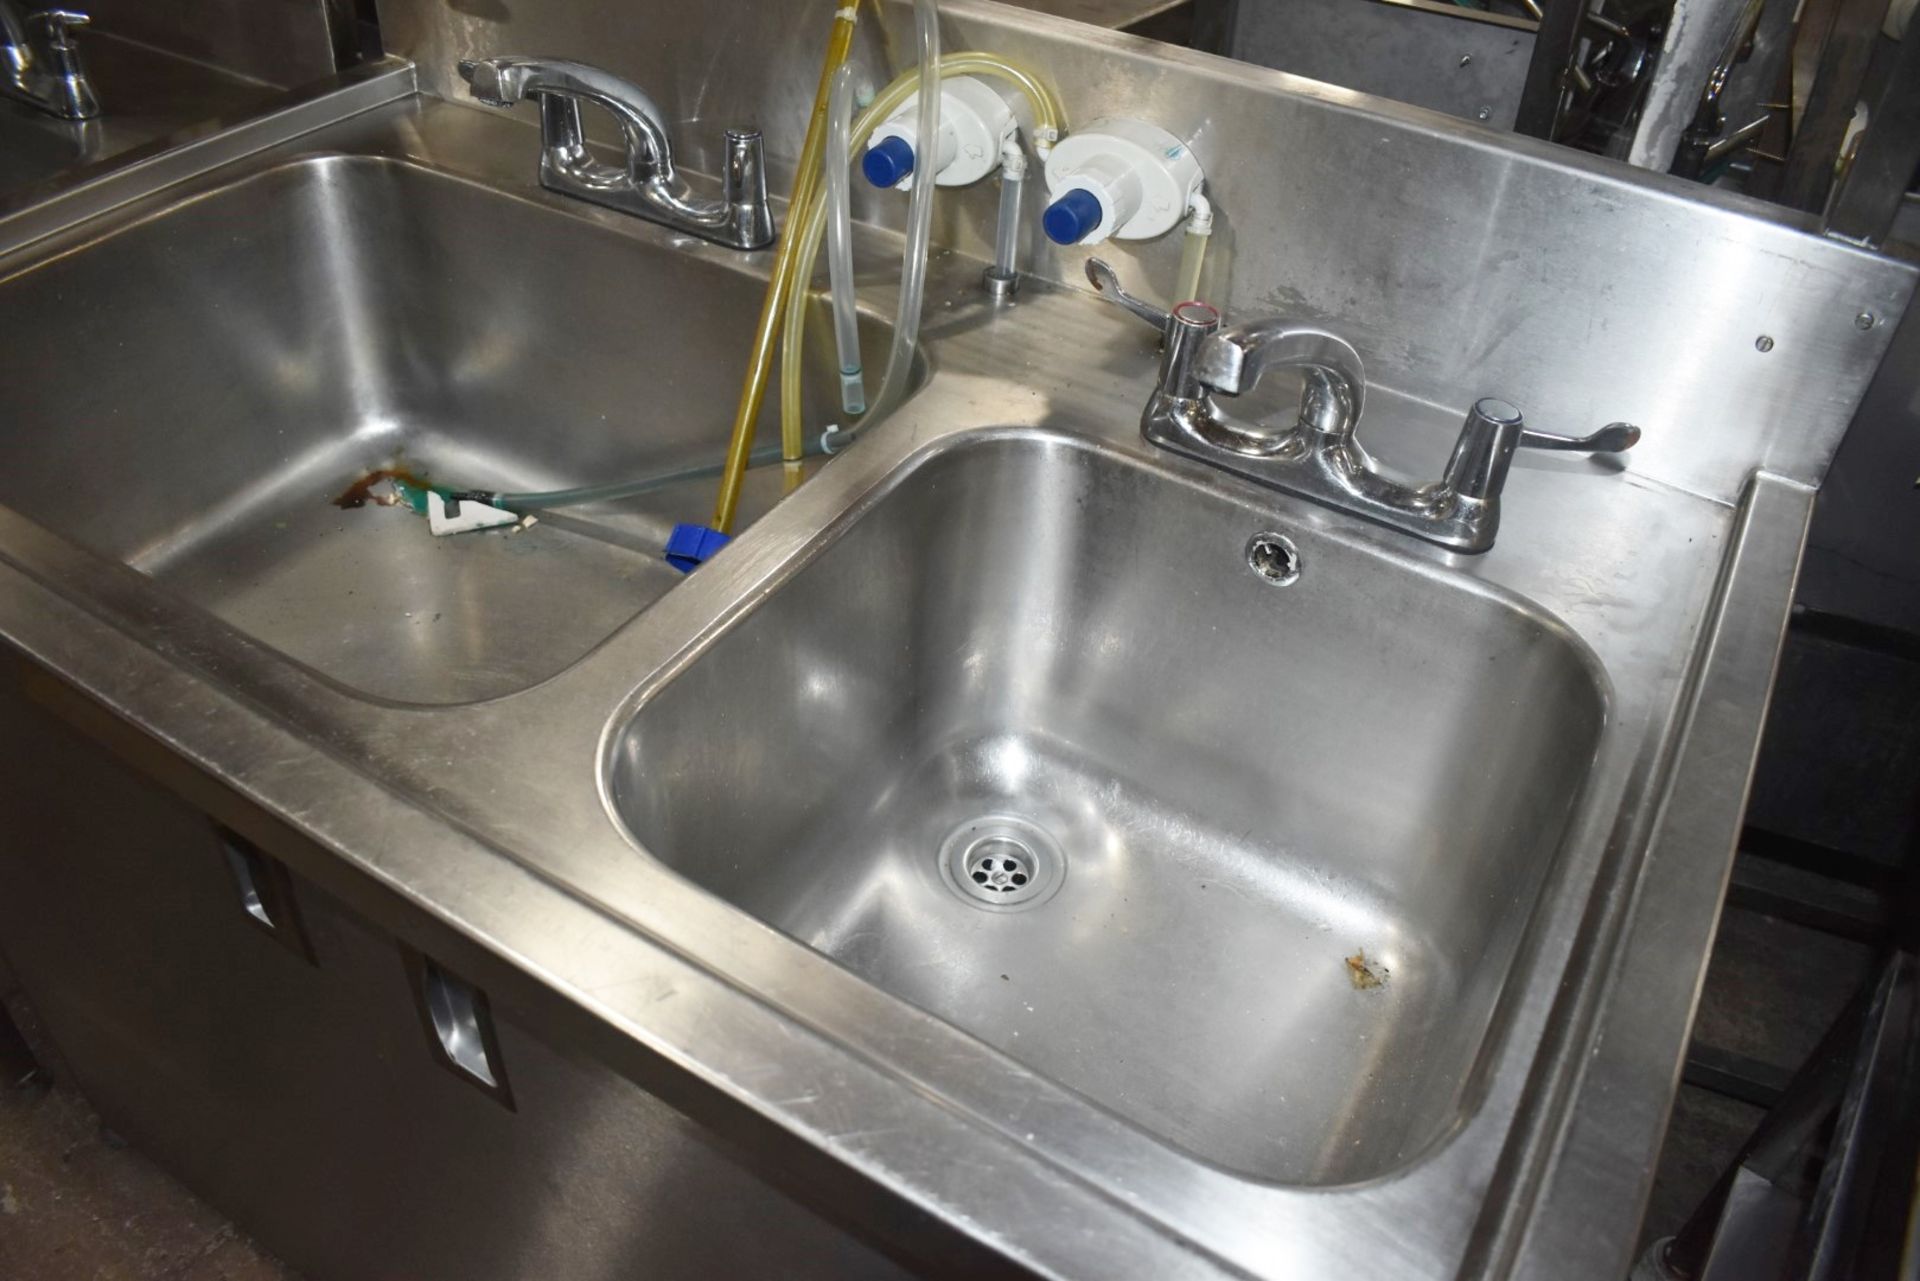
x,y
1232,827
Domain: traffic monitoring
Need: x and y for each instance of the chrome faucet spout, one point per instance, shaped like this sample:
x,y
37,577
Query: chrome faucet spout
x,y
649,184
1234,360
1318,456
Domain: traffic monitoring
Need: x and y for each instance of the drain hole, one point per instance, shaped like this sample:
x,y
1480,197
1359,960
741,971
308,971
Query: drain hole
x,y
1001,861
1274,558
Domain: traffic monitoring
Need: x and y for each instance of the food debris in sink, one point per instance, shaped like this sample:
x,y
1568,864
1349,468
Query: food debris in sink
x,y
1364,974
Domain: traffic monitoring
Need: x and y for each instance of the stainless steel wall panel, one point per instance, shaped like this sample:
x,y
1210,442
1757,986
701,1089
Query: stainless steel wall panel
x,y
282,42
1460,262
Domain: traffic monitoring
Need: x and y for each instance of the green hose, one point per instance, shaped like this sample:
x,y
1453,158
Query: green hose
x,y
580,496
415,496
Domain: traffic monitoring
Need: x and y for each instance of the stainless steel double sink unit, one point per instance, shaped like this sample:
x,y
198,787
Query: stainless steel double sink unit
x,y
1025,850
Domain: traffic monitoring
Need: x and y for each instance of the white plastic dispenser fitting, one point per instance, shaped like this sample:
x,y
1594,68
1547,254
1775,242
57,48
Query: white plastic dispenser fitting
x,y
1118,178
975,122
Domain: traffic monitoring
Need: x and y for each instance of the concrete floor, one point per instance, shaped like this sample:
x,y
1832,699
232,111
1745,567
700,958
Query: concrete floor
x,y
76,1204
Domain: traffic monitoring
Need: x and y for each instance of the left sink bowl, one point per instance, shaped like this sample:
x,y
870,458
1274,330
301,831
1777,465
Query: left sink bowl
x,y
210,377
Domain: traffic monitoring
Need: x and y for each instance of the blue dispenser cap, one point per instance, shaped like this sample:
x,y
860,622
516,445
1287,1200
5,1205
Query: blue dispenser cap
x,y
689,546
887,162
1072,218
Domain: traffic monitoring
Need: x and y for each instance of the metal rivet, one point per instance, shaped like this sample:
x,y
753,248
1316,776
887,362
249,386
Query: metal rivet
x,y
1763,343
1864,320
1466,59
1485,113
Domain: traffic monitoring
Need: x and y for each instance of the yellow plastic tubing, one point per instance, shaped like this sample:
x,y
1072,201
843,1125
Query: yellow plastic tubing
x,y
760,361
806,228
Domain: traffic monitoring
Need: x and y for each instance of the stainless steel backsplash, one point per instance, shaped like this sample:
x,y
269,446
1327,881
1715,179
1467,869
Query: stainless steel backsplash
x,y
1460,261
283,42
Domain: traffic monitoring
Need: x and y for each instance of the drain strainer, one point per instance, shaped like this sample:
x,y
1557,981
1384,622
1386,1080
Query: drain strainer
x,y
1001,861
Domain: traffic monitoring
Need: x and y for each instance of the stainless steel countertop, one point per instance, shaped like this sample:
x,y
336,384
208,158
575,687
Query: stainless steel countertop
x,y
490,817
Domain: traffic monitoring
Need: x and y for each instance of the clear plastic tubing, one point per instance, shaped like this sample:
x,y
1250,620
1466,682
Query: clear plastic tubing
x,y
806,229
1193,256
846,316
806,194
913,262
545,500
1193,250
1006,232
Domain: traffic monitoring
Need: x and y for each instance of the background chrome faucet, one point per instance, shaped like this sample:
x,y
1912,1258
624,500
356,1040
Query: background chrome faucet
x,y
40,65
648,186
1318,456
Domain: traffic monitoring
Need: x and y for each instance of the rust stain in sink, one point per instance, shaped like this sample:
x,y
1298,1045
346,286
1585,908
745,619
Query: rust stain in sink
x,y
360,492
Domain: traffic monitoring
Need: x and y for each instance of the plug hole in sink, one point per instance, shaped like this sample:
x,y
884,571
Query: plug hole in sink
x,y
1002,862
1274,558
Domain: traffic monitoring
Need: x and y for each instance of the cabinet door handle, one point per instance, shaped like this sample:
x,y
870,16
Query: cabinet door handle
x,y
266,892
459,1026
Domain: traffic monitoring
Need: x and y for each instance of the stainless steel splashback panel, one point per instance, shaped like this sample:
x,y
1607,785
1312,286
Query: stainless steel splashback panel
x,y
1461,262
283,42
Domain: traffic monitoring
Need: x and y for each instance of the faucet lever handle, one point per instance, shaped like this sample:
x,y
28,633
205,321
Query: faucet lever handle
x,y
56,25
1183,331
1495,428
744,187
1106,281
1614,438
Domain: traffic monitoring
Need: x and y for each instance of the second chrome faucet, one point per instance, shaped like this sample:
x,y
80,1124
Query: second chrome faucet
x,y
649,184
40,63
1318,456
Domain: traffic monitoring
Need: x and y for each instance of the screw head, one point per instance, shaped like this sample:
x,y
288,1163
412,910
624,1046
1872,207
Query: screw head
x,y
1466,59
1865,320
1763,343
1485,113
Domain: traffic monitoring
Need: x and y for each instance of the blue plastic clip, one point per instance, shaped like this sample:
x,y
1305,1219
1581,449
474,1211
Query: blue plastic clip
x,y
689,546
